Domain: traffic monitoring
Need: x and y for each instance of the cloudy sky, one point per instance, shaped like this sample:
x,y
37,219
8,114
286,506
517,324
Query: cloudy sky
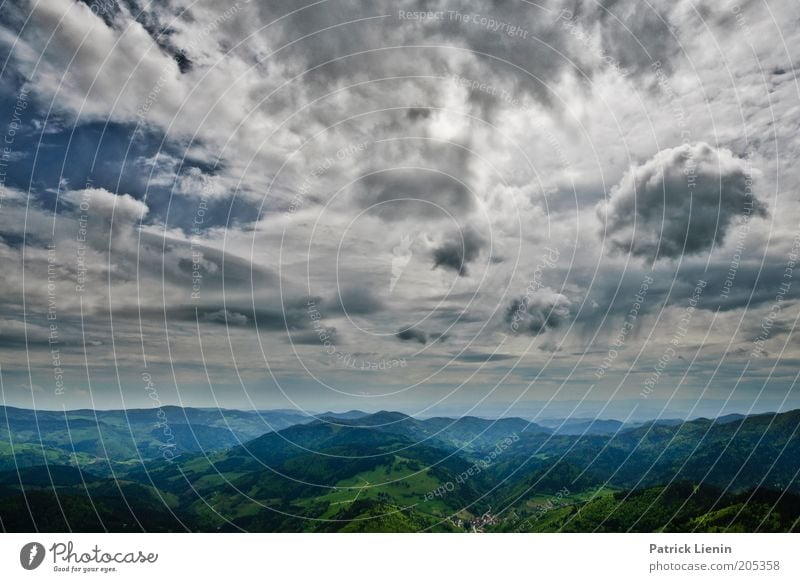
x,y
564,207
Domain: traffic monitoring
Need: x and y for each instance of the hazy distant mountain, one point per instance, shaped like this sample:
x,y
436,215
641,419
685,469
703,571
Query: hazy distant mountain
x,y
583,426
349,415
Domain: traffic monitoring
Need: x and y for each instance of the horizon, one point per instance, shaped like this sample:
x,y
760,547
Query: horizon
x,y
322,415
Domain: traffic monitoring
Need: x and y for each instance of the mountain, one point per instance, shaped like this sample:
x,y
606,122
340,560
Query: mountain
x,y
388,471
467,432
729,418
103,438
679,507
757,451
349,415
284,481
589,426
82,503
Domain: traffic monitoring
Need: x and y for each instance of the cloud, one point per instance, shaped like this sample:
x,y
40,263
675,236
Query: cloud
x,y
680,202
412,335
226,317
15,334
359,301
483,357
314,337
105,217
88,63
535,314
461,249
101,202
634,34
400,194
237,131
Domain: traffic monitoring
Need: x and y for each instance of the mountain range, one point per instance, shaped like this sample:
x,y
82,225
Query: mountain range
x,y
190,469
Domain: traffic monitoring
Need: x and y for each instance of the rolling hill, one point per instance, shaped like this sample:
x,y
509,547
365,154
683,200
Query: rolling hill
x,y
390,472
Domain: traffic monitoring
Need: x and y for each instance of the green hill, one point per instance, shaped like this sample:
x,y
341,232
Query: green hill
x,y
391,472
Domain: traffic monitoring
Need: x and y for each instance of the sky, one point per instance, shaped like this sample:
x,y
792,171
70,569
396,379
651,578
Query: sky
x,y
498,208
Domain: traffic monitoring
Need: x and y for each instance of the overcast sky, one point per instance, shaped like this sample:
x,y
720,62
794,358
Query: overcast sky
x,y
565,207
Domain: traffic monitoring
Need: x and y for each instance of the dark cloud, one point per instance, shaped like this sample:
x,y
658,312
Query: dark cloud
x,y
325,39
265,320
635,34
550,347
416,113
680,202
359,301
412,335
16,334
462,248
734,285
226,317
537,313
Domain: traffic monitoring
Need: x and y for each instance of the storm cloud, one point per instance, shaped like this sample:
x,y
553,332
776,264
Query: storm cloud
x,y
534,314
412,335
681,202
460,249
